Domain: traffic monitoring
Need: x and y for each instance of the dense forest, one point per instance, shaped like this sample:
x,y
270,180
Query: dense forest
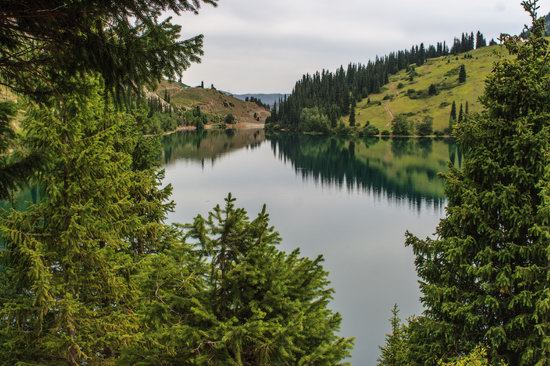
x,y
91,274
332,95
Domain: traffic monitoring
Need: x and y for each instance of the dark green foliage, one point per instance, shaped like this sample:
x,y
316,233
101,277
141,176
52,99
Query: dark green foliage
x,y
425,128
461,114
401,126
394,351
462,74
314,120
16,164
370,130
485,278
65,294
480,40
230,119
453,117
465,43
126,42
258,102
240,301
432,90
352,115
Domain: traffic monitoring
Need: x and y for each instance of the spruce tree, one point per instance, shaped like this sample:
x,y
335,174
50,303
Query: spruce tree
x,y
462,74
484,279
452,117
242,301
461,114
394,351
352,119
65,292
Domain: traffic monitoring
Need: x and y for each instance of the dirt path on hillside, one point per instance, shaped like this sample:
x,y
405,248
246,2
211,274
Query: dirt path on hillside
x,y
388,111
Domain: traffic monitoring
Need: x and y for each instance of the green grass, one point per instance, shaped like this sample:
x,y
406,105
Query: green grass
x,y
443,72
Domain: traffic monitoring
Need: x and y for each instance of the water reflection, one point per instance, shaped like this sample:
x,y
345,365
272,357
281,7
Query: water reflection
x,y
208,146
398,169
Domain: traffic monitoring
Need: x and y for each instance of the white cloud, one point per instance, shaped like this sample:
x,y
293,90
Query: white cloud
x,y
266,45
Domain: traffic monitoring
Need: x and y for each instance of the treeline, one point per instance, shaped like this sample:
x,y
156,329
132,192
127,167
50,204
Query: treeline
x,y
257,101
334,94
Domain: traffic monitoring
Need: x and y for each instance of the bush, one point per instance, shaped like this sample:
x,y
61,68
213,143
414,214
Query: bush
x,y
401,126
425,127
439,133
370,130
230,119
385,133
314,121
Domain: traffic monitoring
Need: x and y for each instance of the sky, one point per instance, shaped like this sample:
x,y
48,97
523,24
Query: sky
x,y
265,46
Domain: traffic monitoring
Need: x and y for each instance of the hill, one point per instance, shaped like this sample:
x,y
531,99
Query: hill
x,y
412,98
269,99
216,104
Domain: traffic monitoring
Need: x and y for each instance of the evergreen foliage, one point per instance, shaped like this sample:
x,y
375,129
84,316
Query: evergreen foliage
x,y
46,43
240,302
352,115
462,74
394,351
16,163
484,279
65,293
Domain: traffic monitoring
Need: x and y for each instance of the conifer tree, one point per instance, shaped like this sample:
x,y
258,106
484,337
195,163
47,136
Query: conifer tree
x,y
484,279
461,114
65,294
352,119
462,74
453,116
244,302
394,351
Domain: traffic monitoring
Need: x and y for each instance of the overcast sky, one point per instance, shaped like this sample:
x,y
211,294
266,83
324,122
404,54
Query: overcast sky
x,y
266,45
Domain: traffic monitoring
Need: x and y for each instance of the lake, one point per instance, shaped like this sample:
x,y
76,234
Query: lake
x,y
351,200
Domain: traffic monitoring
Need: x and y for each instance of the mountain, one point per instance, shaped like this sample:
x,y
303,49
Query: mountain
x,y
216,104
269,99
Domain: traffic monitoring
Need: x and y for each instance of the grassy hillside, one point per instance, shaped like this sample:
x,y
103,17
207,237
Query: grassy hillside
x,y
216,104
402,96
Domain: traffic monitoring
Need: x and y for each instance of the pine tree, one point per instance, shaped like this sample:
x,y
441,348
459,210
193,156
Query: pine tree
x,y
243,301
453,117
467,111
394,351
461,114
352,119
484,280
462,74
65,295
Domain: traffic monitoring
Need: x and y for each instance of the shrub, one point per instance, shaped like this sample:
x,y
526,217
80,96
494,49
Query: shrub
x,y
401,126
425,127
230,119
370,130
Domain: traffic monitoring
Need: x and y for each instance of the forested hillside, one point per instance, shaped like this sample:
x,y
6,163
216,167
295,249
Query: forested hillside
x,y
335,94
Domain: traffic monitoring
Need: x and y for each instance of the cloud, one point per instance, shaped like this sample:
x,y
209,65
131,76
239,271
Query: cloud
x,y
265,46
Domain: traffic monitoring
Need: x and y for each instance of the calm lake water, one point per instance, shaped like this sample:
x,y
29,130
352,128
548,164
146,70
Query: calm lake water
x,y
350,200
